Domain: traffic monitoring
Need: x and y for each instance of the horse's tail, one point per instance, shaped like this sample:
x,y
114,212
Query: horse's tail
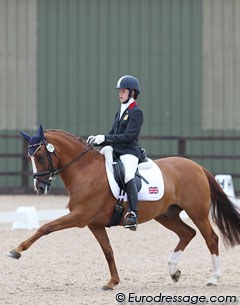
x,y
224,213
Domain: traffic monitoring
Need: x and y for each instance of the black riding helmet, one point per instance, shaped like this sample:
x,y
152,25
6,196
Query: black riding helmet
x,y
128,82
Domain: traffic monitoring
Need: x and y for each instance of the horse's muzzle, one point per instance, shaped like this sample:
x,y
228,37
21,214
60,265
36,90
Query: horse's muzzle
x,y
42,187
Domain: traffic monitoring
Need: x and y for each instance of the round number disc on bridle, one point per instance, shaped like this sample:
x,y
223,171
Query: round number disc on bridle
x,y
50,147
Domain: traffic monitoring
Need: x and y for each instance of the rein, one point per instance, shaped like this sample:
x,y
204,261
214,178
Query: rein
x,y
57,171
54,172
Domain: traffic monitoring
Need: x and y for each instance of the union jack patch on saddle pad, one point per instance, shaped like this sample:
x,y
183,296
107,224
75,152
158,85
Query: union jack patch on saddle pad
x,y
153,190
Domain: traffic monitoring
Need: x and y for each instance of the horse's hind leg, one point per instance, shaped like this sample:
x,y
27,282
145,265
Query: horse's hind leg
x,y
211,239
101,236
171,220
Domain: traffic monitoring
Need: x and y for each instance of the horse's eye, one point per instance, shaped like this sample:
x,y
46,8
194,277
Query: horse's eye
x,y
40,159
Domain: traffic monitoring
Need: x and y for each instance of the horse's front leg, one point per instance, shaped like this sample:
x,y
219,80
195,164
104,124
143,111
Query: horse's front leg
x,y
102,237
68,221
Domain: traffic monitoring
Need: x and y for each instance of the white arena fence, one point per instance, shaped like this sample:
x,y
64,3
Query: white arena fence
x,y
29,218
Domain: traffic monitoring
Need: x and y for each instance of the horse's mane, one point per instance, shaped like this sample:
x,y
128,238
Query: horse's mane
x,y
75,138
79,139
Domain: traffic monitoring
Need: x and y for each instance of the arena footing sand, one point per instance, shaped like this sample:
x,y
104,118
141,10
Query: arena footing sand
x,y
68,267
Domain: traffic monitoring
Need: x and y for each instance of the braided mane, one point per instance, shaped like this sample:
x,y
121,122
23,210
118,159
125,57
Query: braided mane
x,y
82,142
79,139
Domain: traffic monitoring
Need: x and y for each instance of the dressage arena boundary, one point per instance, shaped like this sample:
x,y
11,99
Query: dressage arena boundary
x,y
29,218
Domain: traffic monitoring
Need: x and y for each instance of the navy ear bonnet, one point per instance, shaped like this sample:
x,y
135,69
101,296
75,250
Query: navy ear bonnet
x,y
35,141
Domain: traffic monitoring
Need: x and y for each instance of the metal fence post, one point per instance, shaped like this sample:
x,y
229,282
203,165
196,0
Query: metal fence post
x,y
181,147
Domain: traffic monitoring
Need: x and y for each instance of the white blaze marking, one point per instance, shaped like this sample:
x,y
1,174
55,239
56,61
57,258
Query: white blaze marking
x,y
34,168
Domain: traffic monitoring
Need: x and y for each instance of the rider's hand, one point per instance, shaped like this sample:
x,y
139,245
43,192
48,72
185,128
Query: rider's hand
x,y
99,139
90,139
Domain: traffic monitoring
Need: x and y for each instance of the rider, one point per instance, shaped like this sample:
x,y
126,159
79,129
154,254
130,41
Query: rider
x,y
123,137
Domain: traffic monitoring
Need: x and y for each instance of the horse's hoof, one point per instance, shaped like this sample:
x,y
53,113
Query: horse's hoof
x,y
106,288
176,276
14,254
212,282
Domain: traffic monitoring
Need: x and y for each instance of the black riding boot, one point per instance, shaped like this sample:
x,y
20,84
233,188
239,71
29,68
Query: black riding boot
x,y
130,220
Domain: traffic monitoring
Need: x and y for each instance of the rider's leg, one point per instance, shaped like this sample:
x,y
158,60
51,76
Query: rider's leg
x,y
130,163
131,217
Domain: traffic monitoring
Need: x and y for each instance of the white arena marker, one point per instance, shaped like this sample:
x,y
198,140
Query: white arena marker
x,y
226,183
30,220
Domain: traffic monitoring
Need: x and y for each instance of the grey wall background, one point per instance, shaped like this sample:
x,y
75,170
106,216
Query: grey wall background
x,y
60,60
221,65
18,59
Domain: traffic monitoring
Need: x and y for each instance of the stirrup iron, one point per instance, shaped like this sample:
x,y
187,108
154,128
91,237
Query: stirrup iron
x,y
130,215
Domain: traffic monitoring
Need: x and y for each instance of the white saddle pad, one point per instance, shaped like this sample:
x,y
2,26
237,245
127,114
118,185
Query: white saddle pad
x,y
149,170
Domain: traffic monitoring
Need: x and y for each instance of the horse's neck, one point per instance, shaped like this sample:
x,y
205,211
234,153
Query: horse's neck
x,y
84,169
85,165
86,176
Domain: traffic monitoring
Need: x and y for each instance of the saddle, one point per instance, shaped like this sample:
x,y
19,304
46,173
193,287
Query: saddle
x,y
119,171
119,174
149,177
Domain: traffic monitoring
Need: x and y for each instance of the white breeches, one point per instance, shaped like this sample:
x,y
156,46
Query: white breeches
x,y
130,163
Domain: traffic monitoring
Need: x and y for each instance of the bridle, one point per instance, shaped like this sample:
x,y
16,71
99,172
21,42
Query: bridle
x,y
52,172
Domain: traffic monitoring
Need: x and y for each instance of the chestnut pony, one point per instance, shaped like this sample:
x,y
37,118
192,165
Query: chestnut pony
x,y
188,186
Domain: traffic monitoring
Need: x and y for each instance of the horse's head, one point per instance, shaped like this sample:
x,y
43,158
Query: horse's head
x,y
44,160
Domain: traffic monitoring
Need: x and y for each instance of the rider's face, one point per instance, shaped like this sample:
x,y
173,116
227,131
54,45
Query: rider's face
x,y
123,95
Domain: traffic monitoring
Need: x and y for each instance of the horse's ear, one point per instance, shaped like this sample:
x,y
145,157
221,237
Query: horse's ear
x,y
25,135
40,132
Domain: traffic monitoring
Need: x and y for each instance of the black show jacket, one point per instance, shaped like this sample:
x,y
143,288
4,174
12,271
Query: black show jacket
x,y
123,136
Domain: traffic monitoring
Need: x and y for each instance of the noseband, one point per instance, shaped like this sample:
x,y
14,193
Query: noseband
x,y
53,172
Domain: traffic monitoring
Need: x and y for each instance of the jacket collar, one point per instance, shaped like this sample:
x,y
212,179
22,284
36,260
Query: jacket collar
x,y
130,104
